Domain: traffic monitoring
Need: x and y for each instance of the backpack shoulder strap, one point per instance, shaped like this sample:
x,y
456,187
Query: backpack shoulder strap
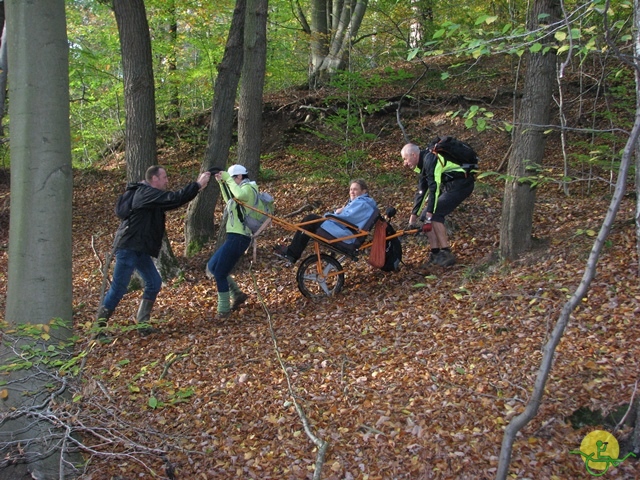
x,y
231,197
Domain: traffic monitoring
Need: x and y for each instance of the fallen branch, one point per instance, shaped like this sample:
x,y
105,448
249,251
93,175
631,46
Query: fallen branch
x,y
321,444
88,424
170,360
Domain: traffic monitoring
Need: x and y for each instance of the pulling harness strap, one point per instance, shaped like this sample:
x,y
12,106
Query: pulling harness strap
x,y
241,212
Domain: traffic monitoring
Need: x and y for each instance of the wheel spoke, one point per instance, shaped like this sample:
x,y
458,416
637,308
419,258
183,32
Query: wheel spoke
x,y
327,270
324,287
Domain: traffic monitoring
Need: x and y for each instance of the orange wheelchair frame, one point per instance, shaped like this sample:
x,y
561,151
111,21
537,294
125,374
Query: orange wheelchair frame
x,y
321,274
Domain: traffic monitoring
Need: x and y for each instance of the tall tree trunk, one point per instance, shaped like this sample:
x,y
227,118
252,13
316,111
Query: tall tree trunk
x,y
41,177
252,85
636,48
319,38
423,17
139,90
199,227
331,38
172,63
529,140
3,68
140,105
40,282
521,420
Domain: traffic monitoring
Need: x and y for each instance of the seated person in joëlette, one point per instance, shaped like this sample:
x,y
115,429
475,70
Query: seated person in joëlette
x,y
358,210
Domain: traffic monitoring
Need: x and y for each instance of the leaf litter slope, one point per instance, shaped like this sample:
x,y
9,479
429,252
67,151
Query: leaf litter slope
x,y
405,376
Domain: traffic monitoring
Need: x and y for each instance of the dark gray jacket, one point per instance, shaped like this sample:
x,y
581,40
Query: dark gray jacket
x,y
143,229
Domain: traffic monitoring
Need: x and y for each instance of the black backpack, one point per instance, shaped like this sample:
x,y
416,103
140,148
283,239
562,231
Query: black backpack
x,y
392,252
455,151
124,204
123,209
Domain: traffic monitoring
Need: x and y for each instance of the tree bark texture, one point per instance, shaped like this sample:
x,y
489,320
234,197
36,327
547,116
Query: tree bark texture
x,y
199,226
40,246
140,105
332,31
636,49
528,141
3,69
41,177
319,38
252,85
173,81
139,90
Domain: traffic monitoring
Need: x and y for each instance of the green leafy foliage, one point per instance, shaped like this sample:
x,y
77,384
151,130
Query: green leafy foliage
x,y
476,117
343,123
34,347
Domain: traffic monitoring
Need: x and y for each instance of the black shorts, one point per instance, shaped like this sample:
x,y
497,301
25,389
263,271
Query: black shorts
x,y
453,193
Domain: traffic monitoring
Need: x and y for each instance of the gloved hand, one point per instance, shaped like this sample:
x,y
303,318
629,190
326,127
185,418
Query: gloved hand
x,y
426,227
412,226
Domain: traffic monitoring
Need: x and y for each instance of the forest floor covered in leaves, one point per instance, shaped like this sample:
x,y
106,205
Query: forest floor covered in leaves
x,y
405,375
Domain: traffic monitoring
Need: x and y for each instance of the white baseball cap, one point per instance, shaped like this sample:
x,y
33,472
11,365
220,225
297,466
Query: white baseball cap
x,y
237,170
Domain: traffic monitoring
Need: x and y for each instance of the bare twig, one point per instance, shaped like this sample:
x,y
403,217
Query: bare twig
x,y
345,360
504,158
318,442
95,252
404,133
624,417
93,426
171,359
531,409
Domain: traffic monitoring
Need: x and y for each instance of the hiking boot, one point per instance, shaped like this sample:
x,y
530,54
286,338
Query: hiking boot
x,y
283,252
222,315
432,258
103,315
445,258
238,300
143,317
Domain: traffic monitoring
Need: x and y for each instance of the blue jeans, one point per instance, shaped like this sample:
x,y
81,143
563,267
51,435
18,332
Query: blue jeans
x,y
126,262
226,257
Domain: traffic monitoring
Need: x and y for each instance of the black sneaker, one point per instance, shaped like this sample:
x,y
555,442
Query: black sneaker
x,y
283,252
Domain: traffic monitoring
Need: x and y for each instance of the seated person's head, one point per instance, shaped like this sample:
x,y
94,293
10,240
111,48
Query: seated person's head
x,y
357,187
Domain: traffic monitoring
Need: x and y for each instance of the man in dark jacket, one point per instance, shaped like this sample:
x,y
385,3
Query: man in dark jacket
x,y
139,237
442,186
